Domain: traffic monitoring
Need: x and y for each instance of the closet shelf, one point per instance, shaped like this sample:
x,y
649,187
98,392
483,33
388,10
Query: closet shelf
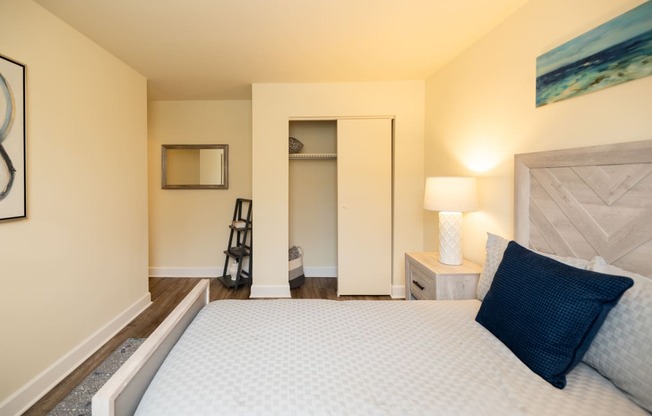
x,y
313,156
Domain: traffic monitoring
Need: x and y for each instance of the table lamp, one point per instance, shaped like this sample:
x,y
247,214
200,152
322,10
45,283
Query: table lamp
x,y
450,196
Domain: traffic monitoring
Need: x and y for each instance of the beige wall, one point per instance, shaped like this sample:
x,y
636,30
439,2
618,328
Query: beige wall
x,y
80,258
273,105
480,110
188,229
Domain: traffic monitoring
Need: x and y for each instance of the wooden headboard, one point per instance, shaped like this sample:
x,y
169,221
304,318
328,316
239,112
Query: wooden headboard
x,y
588,201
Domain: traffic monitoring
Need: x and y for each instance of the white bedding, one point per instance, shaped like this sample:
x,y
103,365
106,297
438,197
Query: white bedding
x,y
318,357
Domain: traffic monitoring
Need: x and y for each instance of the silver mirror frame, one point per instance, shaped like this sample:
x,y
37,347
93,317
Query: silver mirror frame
x,y
164,165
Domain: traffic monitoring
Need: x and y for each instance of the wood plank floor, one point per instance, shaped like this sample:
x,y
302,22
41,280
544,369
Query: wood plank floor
x,y
166,295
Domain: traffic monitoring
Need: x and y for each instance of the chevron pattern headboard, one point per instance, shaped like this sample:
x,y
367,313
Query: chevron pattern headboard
x,y
588,201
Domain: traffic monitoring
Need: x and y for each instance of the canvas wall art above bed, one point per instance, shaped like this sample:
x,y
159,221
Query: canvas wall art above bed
x,y
615,52
562,324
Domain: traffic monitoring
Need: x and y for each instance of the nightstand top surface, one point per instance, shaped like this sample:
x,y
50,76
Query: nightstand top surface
x,y
431,260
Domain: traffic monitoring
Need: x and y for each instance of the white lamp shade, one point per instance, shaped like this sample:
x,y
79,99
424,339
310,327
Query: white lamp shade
x,y
451,194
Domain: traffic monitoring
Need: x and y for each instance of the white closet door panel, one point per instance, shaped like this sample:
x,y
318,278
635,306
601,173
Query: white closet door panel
x,y
364,199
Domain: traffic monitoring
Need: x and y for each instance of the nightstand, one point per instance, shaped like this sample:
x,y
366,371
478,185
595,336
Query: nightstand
x,y
428,279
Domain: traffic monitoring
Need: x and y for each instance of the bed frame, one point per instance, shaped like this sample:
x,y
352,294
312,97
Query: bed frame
x,y
587,202
578,202
121,394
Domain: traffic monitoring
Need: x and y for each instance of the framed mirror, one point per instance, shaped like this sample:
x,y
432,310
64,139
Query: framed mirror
x,y
195,166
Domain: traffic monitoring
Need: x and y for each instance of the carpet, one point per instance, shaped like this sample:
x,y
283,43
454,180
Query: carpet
x,y
78,402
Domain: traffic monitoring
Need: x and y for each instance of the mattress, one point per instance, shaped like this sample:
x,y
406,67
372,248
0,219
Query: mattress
x,y
320,357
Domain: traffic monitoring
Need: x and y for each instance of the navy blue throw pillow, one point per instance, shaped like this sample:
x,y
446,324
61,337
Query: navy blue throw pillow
x,y
547,312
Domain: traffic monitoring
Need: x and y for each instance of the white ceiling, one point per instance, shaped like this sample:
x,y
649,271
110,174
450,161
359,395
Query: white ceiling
x,y
215,49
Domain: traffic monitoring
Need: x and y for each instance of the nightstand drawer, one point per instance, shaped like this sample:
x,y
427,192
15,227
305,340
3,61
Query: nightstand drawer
x,y
426,278
422,286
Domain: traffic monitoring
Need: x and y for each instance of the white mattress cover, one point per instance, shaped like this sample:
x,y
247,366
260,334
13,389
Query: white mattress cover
x,y
318,357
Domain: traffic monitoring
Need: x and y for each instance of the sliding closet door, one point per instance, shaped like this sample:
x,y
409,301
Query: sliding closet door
x,y
364,200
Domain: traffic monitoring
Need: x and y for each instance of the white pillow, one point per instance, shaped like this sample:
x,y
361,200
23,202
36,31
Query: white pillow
x,y
495,248
622,349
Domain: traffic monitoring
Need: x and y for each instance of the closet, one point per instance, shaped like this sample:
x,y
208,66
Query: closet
x,y
341,206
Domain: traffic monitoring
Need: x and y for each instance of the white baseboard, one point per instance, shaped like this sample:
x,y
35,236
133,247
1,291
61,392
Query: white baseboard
x,y
398,292
202,272
320,271
258,291
36,388
270,291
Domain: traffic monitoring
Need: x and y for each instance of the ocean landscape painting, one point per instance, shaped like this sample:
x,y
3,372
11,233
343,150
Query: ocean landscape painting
x,y
615,52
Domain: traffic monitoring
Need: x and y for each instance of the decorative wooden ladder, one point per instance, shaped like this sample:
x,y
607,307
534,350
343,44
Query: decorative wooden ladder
x,y
240,246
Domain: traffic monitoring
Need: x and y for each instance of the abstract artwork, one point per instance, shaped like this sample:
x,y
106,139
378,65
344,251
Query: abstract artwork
x,y
615,52
12,139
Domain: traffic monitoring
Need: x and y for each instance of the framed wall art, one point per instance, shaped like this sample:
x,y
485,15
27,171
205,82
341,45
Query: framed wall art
x,y
614,52
12,139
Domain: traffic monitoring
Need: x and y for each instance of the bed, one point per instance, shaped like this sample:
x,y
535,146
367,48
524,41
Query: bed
x,y
584,212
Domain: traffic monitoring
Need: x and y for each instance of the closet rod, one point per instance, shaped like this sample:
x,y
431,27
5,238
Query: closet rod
x,y
313,156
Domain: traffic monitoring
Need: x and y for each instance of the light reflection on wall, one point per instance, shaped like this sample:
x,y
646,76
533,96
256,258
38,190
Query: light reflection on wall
x,y
483,155
491,161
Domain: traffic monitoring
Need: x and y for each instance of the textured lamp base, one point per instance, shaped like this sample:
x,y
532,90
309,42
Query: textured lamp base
x,y
450,238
